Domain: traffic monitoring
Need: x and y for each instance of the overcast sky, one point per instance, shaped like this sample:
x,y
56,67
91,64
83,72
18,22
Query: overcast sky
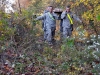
x,y
11,1
9,8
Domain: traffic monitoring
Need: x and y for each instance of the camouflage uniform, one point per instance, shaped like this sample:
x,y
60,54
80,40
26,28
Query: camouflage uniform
x,y
67,26
50,24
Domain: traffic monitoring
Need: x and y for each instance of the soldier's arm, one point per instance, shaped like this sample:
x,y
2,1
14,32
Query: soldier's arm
x,y
77,18
41,17
63,15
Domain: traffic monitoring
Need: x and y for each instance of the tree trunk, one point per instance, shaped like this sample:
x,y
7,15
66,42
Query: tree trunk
x,y
19,6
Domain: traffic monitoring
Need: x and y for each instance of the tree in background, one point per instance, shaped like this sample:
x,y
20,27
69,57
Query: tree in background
x,y
89,9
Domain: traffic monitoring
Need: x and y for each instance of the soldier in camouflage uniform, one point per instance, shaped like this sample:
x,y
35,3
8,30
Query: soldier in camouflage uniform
x,y
50,24
67,23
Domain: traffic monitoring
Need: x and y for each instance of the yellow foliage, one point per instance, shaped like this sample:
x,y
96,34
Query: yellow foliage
x,y
8,16
75,33
86,34
71,73
92,9
87,15
57,1
0,23
80,33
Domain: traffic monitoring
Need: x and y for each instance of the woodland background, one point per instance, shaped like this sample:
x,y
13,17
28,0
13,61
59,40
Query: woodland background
x,y
22,51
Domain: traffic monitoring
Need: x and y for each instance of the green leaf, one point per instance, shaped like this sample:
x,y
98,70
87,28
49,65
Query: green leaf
x,y
65,66
98,17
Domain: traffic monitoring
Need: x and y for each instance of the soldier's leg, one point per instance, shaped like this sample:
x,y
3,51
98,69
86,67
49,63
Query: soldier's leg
x,y
65,32
69,30
45,35
49,36
53,33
